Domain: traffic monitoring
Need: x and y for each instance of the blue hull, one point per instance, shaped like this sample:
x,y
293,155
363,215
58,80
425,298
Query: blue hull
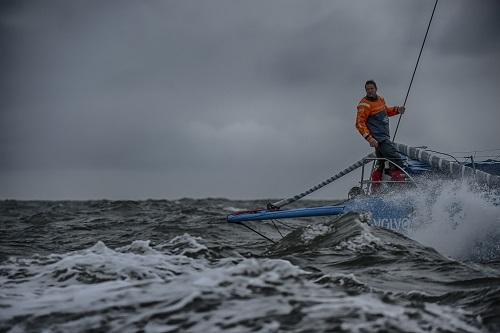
x,y
386,214
286,214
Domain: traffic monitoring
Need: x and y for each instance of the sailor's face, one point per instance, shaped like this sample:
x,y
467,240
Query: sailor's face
x,y
371,90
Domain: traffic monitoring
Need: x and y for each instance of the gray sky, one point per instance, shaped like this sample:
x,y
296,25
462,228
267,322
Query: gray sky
x,y
230,98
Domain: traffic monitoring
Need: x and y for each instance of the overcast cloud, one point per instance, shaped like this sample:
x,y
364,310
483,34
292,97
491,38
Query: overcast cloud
x,y
230,98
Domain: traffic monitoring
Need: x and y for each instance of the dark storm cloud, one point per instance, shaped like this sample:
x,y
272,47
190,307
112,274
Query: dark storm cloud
x,y
470,28
225,98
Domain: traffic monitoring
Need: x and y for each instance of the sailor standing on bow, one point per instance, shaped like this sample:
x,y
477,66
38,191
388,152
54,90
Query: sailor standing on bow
x,y
372,121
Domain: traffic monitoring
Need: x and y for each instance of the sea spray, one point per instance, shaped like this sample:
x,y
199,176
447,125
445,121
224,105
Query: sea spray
x,y
456,218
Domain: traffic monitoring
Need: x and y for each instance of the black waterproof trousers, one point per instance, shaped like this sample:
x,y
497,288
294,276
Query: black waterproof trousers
x,y
386,149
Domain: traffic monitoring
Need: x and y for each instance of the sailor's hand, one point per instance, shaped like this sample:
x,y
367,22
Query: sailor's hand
x,y
401,109
373,142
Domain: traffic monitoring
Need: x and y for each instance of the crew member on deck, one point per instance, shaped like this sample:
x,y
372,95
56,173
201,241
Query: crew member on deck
x,y
372,121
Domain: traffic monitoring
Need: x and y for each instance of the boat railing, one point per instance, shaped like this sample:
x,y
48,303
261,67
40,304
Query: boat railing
x,y
366,185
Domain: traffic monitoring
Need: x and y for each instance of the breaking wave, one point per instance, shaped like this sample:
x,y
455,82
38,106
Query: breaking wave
x,y
162,266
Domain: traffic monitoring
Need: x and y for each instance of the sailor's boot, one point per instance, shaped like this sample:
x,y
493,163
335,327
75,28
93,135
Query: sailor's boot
x,y
397,175
376,179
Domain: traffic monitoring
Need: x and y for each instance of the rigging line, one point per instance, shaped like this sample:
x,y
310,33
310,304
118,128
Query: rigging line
x,y
473,151
342,173
286,225
438,152
482,156
277,228
258,233
416,65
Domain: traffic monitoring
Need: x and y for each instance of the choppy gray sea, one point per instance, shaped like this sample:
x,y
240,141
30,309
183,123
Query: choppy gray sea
x,y
178,266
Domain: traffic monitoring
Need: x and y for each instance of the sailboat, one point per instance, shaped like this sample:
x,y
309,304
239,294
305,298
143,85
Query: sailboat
x,y
367,196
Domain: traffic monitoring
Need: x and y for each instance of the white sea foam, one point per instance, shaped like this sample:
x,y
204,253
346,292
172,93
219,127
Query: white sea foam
x,y
184,245
233,209
453,217
162,288
366,241
343,279
311,231
100,279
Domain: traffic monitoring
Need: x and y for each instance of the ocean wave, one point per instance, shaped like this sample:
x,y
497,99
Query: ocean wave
x,y
164,266
139,287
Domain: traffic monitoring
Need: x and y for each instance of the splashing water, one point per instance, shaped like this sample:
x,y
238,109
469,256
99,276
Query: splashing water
x,y
456,219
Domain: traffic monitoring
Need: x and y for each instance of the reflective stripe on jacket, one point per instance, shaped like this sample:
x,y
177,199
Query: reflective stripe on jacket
x,y
372,118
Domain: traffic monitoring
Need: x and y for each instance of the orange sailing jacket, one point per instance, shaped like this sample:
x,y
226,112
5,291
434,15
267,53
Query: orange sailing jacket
x,y
372,118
